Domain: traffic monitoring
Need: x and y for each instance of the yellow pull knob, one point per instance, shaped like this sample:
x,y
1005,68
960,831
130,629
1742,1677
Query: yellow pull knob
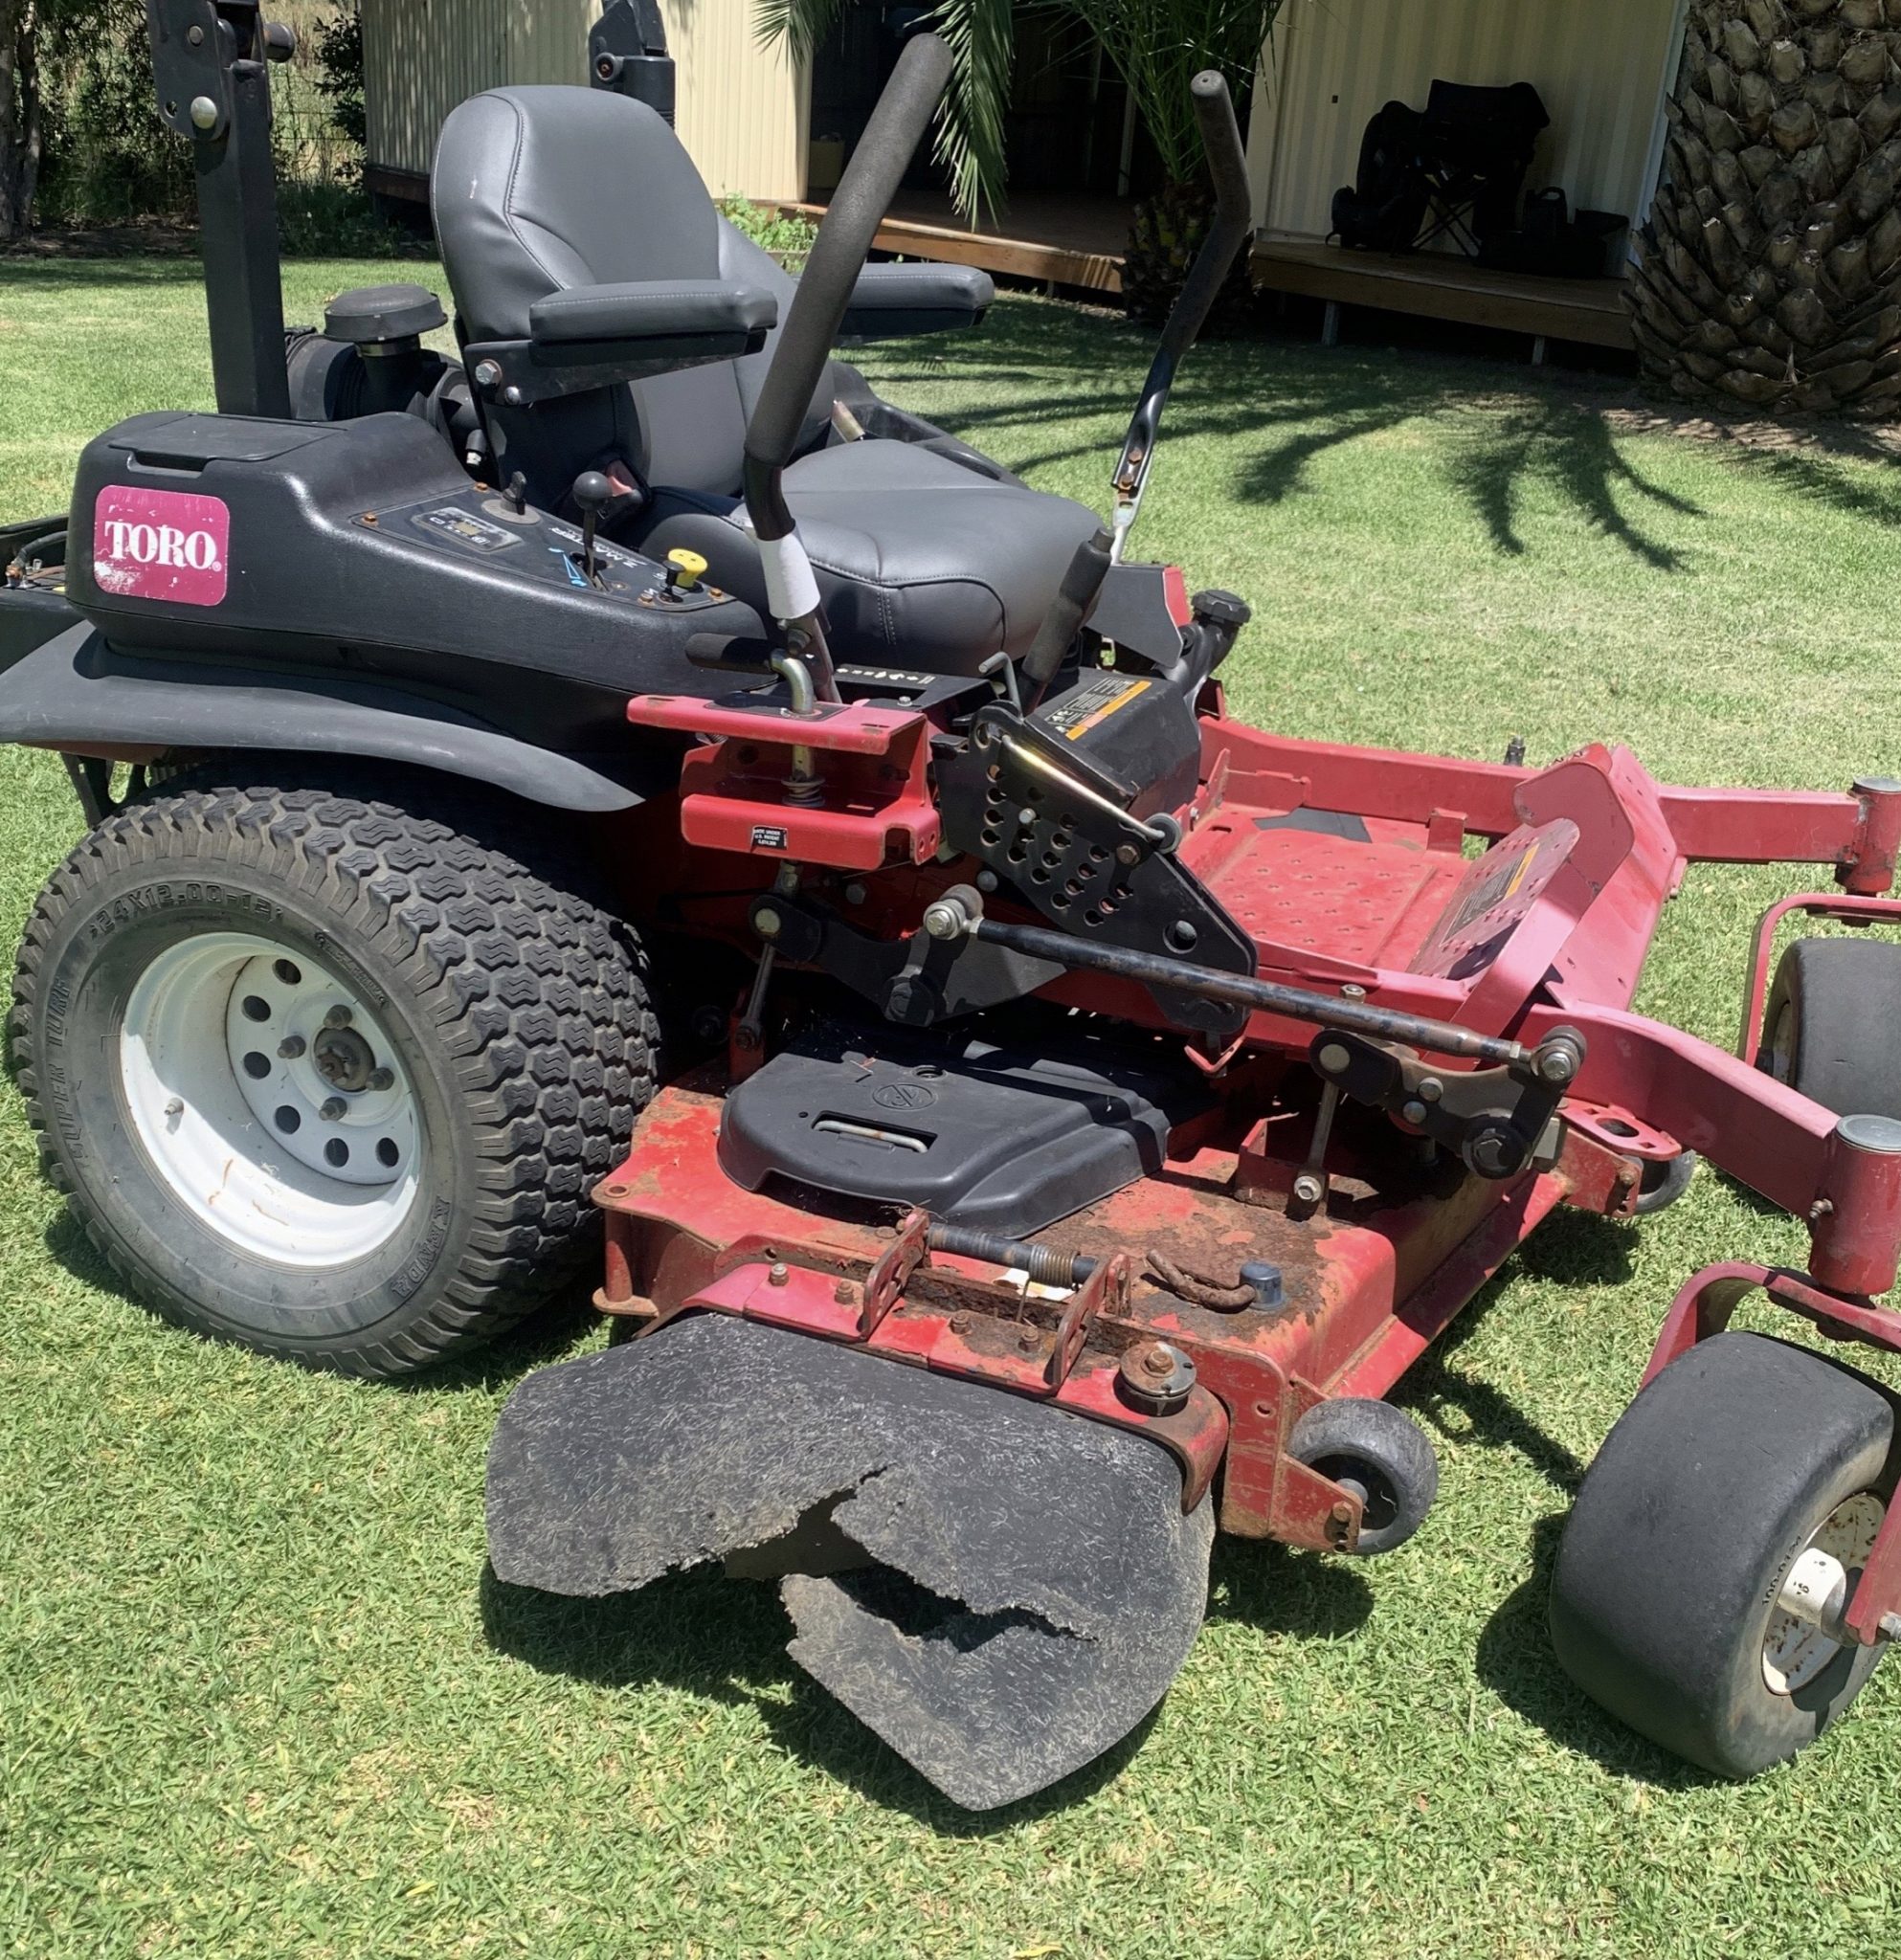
x,y
689,566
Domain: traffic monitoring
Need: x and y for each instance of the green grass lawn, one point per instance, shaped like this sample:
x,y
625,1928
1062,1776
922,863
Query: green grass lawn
x,y
254,1697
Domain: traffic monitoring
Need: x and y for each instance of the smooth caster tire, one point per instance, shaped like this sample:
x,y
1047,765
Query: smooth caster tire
x,y
1829,1030
1668,1604
1663,1183
1381,1455
325,1076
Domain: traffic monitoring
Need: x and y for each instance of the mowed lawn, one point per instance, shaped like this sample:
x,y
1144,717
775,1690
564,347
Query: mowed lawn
x,y
254,1696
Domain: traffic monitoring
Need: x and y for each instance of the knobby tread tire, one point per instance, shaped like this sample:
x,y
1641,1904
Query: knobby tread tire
x,y
538,996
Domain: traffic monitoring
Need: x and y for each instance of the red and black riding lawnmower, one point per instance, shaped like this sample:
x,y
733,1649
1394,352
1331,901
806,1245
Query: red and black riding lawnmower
x,y
1099,1104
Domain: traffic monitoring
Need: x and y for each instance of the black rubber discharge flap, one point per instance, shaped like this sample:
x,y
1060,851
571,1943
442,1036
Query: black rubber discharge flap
x,y
999,1589
997,1135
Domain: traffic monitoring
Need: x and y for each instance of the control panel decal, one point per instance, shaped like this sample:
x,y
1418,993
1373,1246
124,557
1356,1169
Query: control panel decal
x,y
161,544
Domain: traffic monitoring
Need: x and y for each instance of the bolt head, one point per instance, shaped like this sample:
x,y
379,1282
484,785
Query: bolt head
x,y
1413,1110
945,920
339,1016
290,1048
1026,816
1128,856
767,923
489,374
1353,990
777,1274
196,38
1332,1058
1431,1089
1343,1513
204,113
987,880
513,397
854,894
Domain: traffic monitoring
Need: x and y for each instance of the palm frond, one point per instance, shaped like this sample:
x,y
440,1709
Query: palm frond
x,y
800,24
969,140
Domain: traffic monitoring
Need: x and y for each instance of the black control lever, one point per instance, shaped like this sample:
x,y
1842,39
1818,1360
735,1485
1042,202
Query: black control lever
x,y
591,493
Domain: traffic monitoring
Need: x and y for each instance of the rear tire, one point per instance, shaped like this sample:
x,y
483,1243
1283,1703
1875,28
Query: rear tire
x,y
402,1177
1663,1601
1832,1025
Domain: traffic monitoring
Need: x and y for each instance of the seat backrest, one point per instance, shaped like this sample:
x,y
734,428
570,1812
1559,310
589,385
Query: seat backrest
x,y
539,189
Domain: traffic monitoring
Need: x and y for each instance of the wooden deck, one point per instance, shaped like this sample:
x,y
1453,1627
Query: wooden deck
x,y
1065,241
1439,286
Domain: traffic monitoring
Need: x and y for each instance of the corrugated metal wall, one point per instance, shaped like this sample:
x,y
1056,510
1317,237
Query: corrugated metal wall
x,y
420,58
742,112
1600,69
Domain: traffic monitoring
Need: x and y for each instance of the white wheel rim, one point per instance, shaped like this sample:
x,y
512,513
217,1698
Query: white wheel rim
x,y
270,1100
1795,1650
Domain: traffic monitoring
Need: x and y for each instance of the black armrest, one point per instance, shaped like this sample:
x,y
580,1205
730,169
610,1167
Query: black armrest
x,y
891,301
646,311
588,337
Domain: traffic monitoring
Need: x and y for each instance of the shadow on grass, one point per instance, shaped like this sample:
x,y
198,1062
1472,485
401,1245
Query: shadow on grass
x,y
725,1639
1515,1660
550,1333
1290,406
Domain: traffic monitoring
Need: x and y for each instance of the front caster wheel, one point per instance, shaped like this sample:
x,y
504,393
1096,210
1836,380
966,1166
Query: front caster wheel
x,y
324,1075
1685,1597
1379,1454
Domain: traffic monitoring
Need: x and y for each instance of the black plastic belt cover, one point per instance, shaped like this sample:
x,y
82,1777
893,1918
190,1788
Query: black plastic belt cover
x,y
1002,1139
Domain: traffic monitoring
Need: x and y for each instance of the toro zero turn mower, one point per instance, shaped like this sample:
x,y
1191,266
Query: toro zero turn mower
x,y
1097,1105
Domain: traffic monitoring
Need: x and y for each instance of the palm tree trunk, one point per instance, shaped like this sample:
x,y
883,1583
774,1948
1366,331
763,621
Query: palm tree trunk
x,y
1770,273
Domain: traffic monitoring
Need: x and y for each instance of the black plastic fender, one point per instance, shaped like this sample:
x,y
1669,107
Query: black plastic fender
x,y
75,692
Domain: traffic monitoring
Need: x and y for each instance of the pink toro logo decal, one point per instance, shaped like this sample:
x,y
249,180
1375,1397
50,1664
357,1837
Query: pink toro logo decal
x,y
161,544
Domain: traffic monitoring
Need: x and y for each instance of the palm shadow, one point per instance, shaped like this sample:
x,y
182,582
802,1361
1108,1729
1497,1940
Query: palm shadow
x,y
1292,403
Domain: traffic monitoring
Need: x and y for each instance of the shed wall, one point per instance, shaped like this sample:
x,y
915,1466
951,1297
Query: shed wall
x,y
1330,65
742,112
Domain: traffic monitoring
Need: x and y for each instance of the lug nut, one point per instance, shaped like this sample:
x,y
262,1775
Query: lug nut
x,y
290,1047
382,1079
335,1109
339,1016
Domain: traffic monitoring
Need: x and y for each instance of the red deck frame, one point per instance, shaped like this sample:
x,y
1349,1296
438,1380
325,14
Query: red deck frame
x,y
1547,929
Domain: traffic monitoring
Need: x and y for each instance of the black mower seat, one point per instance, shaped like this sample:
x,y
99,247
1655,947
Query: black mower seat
x,y
927,553
921,562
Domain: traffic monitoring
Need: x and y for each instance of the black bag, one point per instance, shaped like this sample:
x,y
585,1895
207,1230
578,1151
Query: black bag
x,y
1383,207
